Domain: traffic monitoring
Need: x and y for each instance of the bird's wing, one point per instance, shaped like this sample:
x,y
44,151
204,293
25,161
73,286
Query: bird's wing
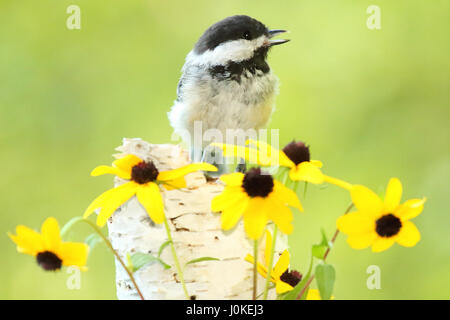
x,y
180,88
186,74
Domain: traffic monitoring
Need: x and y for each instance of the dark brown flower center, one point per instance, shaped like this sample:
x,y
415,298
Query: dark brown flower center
x,y
144,172
388,225
49,261
257,184
291,277
298,152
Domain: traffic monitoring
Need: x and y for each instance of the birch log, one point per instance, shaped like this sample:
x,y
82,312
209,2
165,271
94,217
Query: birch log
x,y
196,233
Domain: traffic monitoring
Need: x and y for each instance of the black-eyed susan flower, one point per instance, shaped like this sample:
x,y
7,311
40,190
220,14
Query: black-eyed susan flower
x,y
302,168
50,251
295,156
379,223
144,180
280,275
257,197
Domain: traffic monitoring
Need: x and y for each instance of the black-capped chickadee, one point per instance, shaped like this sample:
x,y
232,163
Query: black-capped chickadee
x,y
226,82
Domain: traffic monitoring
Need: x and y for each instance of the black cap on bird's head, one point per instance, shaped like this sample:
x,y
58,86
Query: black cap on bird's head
x,y
239,27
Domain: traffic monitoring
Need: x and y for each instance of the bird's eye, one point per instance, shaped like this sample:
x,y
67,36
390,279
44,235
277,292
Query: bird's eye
x,y
246,35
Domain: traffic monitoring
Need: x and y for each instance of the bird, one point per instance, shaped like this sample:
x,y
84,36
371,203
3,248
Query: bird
x,y
226,84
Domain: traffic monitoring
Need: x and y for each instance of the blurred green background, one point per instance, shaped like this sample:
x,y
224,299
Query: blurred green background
x,y
371,103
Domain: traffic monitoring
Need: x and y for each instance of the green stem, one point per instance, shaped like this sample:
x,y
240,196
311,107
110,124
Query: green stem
x,y
284,177
255,268
333,240
108,244
175,258
269,267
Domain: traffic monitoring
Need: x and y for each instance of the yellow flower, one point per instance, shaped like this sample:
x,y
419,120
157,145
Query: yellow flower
x,y
50,251
380,223
258,198
144,179
314,294
294,156
280,275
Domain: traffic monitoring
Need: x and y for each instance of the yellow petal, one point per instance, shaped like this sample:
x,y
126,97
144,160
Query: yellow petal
x,y
51,234
381,244
98,203
100,170
283,160
366,201
233,151
259,267
338,182
105,197
316,163
226,199
233,213
150,197
179,183
361,241
393,195
232,179
410,209
280,215
249,258
282,265
282,287
286,195
305,171
255,218
74,253
313,294
271,155
27,240
181,172
409,235
127,163
355,223
116,197
250,155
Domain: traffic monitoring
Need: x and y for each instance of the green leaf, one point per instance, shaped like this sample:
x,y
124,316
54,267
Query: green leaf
x,y
282,296
139,259
92,240
325,277
161,248
292,295
318,250
201,259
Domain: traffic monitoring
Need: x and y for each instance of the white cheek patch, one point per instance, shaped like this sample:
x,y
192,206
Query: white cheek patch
x,y
236,50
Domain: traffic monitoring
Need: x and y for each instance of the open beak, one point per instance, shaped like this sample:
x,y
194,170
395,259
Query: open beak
x,y
274,33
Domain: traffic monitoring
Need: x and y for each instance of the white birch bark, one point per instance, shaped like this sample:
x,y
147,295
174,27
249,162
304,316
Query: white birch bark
x,y
196,233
